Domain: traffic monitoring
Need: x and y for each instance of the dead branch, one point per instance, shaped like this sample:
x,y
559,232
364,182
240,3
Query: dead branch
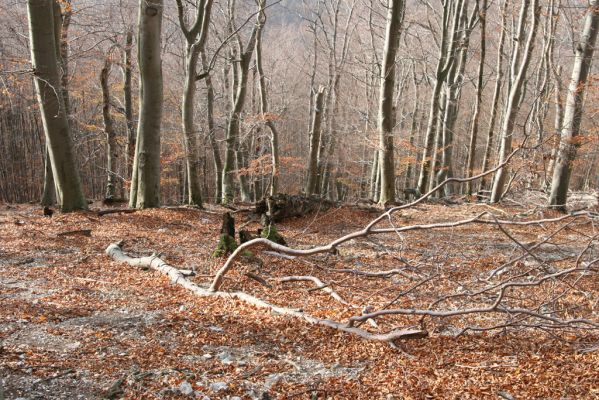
x,y
84,232
153,262
319,285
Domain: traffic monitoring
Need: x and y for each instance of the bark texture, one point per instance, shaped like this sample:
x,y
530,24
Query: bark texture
x,y
569,142
145,183
45,61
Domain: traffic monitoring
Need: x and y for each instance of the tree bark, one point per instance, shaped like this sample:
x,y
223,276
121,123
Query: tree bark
x,y
232,140
218,164
274,138
479,93
311,184
386,109
451,11
496,96
570,142
128,100
518,68
44,50
195,37
145,186
111,145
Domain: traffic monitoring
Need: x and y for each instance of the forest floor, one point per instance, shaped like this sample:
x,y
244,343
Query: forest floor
x,y
76,324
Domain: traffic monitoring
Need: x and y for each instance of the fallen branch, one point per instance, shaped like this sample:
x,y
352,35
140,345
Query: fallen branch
x,y
117,211
115,251
320,285
84,232
369,230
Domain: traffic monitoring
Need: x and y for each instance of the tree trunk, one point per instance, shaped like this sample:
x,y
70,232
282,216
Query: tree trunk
x,y
232,153
496,95
574,104
195,37
111,149
44,50
518,68
145,187
386,109
446,59
315,142
479,93
274,138
218,164
128,99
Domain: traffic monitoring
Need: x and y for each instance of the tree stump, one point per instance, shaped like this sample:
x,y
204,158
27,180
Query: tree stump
x,y
226,243
269,231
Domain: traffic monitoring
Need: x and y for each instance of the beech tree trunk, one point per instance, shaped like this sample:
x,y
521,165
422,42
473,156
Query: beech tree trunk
x,y
311,184
518,68
386,109
232,153
218,164
145,184
451,11
111,145
128,100
569,142
274,134
479,92
195,37
496,96
45,61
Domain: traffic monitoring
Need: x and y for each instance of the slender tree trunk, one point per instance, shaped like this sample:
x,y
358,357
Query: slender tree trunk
x,y
274,138
145,188
574,106
479,93
128,100
311,184
218,164
195,37
558,123
451,10
386,109
192,156
373,193
496,96
233,148
519,68
111,149
44,50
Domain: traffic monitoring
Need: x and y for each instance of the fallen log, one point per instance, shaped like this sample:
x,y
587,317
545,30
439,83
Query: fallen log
x,y
84,232
115,251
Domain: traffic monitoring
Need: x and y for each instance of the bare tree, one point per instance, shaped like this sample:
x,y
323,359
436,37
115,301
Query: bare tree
x,y
240,77
112,151
45,50
268,120
314,142
145,182
520,62
569,142
195,37
386,109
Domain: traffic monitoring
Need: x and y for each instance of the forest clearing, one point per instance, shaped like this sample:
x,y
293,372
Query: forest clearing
x,y
299,199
